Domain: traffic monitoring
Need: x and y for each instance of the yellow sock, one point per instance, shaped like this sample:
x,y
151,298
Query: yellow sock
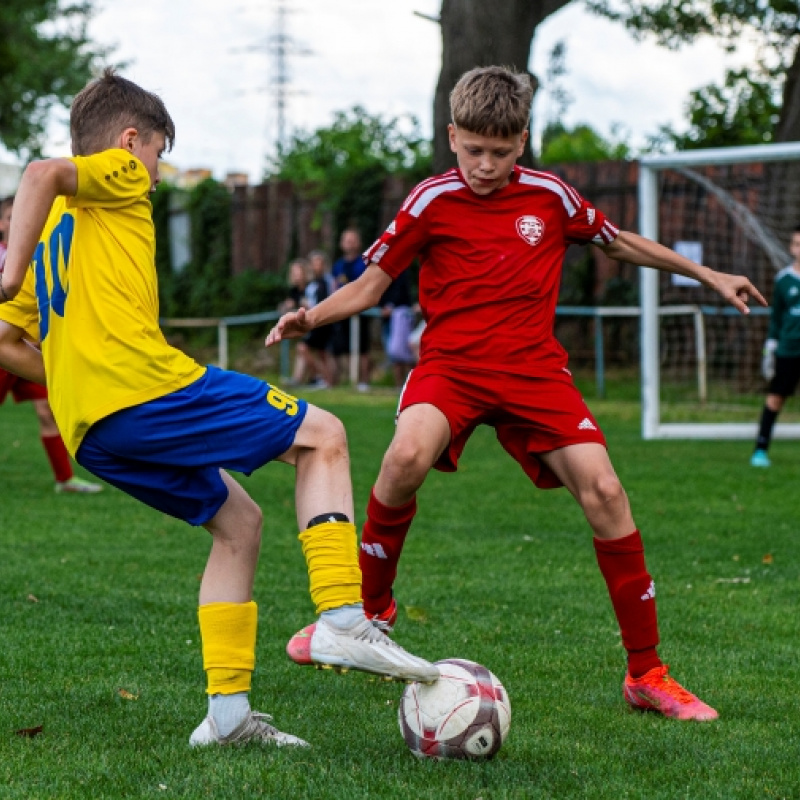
x,y
228,633
331,552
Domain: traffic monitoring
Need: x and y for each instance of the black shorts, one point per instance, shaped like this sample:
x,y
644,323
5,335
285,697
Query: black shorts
x,y
319,338
341,337
787,376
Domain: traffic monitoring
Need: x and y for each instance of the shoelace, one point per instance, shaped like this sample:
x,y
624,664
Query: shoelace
x,y
370,633
381,624
260,722
660,679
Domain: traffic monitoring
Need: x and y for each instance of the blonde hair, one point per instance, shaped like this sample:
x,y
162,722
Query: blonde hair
x,y
492,101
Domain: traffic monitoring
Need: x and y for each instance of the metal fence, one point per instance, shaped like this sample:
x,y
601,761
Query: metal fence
x,y
597,313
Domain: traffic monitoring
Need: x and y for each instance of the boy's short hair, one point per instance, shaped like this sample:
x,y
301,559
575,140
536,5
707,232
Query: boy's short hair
x,y
107,106
492,101
350,229
6,202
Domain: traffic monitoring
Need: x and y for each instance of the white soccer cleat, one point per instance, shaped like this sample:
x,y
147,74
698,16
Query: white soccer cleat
x,y
77,485
254,727
361,646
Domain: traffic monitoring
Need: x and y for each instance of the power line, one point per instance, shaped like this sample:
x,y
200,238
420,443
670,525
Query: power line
x,y
281,47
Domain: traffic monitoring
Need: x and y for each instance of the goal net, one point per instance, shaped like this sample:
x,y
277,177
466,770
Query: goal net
x,y
732,209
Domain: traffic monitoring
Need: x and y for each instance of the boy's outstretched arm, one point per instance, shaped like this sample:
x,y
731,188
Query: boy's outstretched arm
x,y
361,294
41,183
635,249
18,355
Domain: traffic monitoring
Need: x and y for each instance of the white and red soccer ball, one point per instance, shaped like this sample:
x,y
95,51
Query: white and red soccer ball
x,y
465,714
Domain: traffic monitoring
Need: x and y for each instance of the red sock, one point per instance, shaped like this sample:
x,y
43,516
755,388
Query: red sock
x,y
381,544
59,457
633,596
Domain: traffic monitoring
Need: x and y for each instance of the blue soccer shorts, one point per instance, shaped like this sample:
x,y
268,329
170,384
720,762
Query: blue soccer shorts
x,y
168,452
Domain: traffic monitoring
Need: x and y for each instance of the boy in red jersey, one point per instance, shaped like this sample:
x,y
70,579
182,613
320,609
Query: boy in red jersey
x,y
80,280
22,390
491,237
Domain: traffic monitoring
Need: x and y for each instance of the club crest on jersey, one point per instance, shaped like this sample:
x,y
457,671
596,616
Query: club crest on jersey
x,y
531,229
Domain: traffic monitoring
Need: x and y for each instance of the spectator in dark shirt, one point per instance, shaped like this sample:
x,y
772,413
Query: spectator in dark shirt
x,y
345,270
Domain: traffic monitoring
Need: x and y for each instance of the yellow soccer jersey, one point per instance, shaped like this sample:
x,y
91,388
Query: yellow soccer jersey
x,y
90,298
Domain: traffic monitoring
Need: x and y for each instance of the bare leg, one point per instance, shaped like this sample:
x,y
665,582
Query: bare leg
x,y
47,423
236,532
319,454
775,402
342,636
323,485
300,371
422,434
586,471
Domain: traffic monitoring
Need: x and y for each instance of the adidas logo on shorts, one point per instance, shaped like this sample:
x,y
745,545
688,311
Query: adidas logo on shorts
x,y
587,425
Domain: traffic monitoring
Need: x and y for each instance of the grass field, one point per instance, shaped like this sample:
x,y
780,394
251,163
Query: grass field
x,y
99,594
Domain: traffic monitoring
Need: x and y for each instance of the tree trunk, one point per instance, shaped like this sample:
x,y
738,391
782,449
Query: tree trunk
x,y
476,33
782,205
788,129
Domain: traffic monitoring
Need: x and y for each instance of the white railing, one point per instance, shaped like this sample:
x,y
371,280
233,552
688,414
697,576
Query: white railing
x,y
223,323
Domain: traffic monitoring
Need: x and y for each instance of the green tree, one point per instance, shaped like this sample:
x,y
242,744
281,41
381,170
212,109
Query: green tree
x,y
766,97
46,57
563,145
476,32
204,287
200,288
345,165
744,110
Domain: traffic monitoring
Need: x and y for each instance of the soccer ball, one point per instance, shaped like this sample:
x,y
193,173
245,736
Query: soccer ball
x,y
465,714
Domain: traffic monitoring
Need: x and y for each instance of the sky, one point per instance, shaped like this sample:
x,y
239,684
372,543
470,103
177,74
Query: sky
x,y
211,63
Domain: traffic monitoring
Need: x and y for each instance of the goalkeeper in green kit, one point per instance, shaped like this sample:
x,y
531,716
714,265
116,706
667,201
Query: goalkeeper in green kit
x,y
781,363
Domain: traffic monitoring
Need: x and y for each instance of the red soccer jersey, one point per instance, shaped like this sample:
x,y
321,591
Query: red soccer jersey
x,y
490,266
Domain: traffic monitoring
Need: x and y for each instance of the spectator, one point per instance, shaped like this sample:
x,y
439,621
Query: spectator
x,y
298,282
345,270
318,342
397,323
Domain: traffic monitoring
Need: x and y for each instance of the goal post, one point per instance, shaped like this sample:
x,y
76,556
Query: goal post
x,y
735,208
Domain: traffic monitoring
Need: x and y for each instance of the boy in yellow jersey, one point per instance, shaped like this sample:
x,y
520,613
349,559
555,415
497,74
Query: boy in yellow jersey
x,y
80,281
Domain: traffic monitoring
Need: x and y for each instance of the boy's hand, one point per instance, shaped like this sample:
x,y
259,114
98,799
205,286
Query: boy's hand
x,y
737,290
290,326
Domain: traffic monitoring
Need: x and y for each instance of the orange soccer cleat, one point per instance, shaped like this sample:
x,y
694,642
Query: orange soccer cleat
x,y
657,691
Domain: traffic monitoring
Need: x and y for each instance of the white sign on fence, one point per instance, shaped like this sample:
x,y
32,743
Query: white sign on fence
x,y
694,252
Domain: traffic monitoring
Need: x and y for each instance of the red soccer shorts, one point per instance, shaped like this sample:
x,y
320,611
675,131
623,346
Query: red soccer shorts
x,y
529,415
20,388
